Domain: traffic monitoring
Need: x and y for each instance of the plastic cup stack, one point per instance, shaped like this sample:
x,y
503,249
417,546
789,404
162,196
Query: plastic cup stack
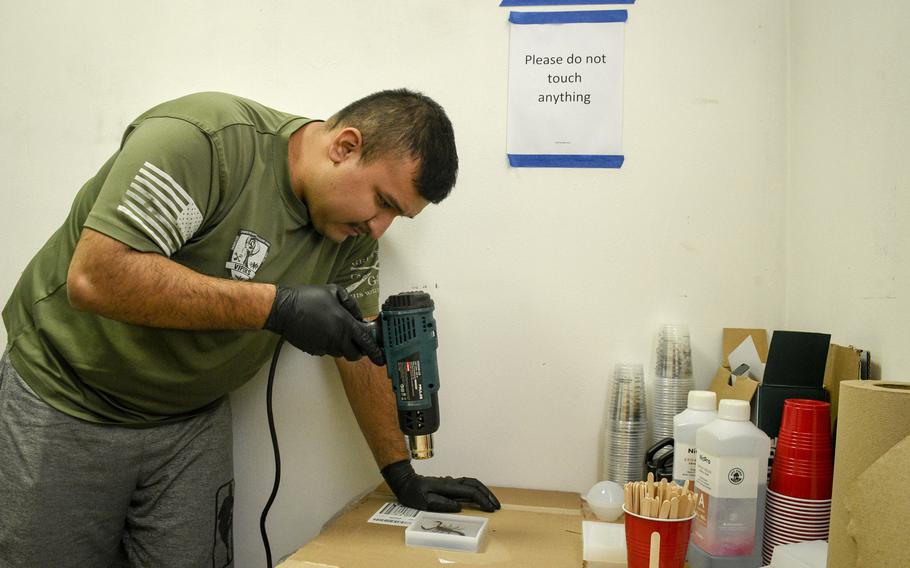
x,y
627,425
672,378
799,495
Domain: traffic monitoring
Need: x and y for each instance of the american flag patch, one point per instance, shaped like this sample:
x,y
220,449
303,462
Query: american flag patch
x,y
158,206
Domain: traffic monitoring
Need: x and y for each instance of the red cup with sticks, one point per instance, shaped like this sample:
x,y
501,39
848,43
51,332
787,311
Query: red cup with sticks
x,y
658,523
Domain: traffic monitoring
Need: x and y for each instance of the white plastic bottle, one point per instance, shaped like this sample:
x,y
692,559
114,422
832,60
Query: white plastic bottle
x,y
700,410
731,477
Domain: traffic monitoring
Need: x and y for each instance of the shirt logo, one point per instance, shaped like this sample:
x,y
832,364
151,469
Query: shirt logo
x,y
364,276
247,255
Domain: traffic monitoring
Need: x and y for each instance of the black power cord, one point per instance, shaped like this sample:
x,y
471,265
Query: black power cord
x,y
268,408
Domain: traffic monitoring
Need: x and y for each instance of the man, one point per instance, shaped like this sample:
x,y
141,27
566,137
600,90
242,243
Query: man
x,y
217,228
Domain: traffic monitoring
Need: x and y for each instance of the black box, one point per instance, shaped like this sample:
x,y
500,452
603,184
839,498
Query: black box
x,y
797,359
795,369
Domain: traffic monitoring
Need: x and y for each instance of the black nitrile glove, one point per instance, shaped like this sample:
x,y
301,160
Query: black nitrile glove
x,y
322,320
440,494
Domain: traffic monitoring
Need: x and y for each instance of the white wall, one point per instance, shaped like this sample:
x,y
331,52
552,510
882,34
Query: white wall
x,y
543,279
848,265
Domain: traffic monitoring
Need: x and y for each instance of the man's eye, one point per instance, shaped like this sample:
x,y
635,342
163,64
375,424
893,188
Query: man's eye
x,y
383,203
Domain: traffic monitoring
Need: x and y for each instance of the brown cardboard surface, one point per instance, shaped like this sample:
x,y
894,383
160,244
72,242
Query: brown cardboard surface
x,y
534,529
843,365
743,389
868,510
733,336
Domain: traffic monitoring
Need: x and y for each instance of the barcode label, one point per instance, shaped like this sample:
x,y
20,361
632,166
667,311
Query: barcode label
x,y
394,514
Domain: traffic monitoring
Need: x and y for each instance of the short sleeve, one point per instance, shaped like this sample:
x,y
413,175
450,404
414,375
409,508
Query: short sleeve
x,y
359,275
154,196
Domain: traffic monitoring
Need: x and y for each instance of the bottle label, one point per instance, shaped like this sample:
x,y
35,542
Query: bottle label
x,y
727,477
684,457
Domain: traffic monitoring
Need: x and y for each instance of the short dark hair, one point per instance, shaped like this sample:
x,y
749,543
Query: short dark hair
x,y
406,121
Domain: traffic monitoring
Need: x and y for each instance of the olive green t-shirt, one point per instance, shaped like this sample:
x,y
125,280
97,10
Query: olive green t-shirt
x,y
204,181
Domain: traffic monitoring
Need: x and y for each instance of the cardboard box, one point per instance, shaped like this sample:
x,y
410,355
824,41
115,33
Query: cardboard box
x,y
733,338
534,529
726,386
738,387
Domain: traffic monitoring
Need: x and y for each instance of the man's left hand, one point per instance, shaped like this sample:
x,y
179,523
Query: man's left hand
x,y
439,494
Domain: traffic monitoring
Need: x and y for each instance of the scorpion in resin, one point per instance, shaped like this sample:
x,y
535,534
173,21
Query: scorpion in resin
x,y
443,528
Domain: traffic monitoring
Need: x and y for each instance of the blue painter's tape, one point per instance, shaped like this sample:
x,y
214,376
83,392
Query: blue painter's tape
x,y
561,2
565,161
579,17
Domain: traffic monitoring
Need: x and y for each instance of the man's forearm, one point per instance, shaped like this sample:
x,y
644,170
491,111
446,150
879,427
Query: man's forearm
x,y
369,392
109,278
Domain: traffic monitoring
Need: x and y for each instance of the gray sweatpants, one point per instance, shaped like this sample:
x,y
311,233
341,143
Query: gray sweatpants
x,y
73,493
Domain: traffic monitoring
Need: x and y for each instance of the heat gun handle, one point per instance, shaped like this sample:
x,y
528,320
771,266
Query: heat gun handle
x,y
376,331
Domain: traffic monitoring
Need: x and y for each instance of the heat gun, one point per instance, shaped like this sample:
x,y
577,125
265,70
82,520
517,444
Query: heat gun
x,y
406,332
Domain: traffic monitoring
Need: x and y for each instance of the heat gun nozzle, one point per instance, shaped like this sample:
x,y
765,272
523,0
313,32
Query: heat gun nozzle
x,y
421,446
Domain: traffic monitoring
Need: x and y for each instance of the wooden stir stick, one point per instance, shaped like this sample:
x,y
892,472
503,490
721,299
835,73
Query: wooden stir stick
x,y
660,500
654,555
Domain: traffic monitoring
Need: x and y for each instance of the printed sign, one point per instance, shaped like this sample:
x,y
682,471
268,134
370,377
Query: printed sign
x,y
565,89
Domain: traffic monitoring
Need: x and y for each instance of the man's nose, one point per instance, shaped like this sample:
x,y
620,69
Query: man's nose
x,y
378,224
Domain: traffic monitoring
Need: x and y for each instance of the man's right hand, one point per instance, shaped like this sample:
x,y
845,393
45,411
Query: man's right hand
x,y
322,320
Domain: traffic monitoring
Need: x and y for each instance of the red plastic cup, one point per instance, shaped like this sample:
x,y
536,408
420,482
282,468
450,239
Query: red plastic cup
x,y
674,540
799,496
802,425
804,458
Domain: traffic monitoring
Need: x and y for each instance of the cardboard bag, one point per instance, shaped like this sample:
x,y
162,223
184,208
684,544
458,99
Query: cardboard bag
x,y
843,365
868,511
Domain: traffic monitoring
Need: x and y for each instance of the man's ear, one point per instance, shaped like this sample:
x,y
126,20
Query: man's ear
x,y
346,144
